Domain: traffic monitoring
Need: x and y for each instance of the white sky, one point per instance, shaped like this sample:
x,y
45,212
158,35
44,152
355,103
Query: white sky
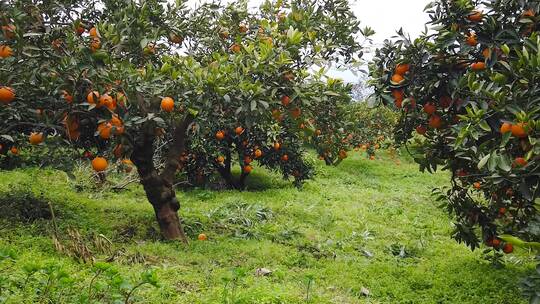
x,y
387,16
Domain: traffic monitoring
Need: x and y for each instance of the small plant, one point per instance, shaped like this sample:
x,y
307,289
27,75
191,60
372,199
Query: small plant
x,y
309,285
231,284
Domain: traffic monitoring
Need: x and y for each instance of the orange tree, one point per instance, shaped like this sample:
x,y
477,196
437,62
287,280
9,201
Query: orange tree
x,y
262,94
468,93
151,82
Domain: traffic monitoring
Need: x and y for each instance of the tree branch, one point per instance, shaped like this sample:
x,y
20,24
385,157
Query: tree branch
x,y
178,146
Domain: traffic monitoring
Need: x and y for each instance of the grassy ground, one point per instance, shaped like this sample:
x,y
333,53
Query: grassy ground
x,y
365,232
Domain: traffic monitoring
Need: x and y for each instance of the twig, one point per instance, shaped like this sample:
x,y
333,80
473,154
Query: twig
x,y
123,185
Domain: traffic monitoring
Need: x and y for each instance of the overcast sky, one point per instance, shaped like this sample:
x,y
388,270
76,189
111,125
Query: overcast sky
x,y
387,16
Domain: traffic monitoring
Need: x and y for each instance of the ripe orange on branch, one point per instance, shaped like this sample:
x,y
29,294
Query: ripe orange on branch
x,y
506,127
7,95
220,135
430,108
475,16
93,32
518,130
435,122
99,164
478,66
5,51
167,104
35,138
401,69
397,78
285,100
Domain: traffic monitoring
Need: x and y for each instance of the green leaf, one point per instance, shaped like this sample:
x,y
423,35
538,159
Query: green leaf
x,y
483,161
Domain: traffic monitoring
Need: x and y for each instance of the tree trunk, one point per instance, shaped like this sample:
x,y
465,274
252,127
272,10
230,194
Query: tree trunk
x,y
159,186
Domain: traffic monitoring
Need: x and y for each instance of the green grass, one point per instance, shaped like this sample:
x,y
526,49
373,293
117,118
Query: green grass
x,y
365,225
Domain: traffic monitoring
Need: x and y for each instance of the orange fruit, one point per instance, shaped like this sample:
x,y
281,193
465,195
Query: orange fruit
x,y
477,185
167,104
258,153
93,32
277,146
372,157
35,138
202,237
471,39
475,16
528,13
220,135
91,97
296,112
342,154
99,164
14,150
238,130
508,248
106,100
435,122
104,130
220,159
430,108
506,127
248,169
95,44
285,157
7,95
247,160
285,100
520,162
496,242
421,130
116,121
5,51
502,211
518,130
397,78
401,69
398,95
235,48
478,66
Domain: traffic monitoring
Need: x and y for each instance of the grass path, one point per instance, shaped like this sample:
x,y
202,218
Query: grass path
x,y
364,232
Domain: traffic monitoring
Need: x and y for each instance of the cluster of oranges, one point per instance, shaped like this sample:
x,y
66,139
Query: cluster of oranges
x,y
248,159
9,32
7,94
